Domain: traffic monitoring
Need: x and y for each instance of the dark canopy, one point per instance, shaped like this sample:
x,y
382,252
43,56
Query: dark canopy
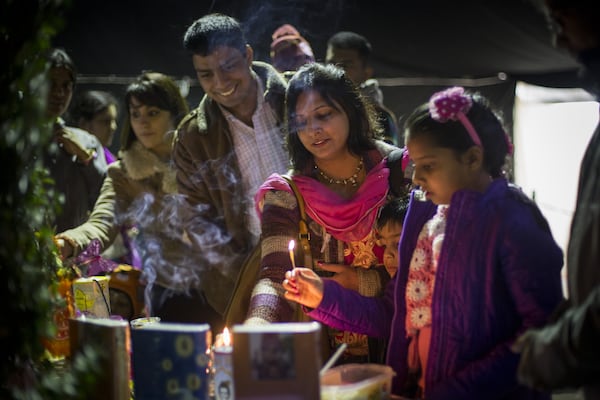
x,y
432,38
418,45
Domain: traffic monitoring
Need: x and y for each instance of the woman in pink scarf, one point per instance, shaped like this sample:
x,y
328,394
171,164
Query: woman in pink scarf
x,y
340,170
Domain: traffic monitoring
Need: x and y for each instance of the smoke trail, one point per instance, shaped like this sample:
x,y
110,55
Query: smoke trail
x,y
179,245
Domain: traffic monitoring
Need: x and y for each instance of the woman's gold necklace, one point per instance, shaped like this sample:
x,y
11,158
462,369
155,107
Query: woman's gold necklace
x,y
353,180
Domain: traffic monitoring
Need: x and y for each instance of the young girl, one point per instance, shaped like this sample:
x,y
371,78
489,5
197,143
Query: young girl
x,y
477,264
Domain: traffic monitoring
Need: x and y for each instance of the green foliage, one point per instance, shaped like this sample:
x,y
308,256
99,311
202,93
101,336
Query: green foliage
x,y
28,257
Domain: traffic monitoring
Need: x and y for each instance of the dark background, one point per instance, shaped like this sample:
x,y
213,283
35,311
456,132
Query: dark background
x,y
419,46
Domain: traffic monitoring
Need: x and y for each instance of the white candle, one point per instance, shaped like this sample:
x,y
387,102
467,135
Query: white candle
x,y
291,248
223,369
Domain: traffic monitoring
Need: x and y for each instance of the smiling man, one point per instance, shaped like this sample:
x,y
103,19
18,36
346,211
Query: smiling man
x,y
226,148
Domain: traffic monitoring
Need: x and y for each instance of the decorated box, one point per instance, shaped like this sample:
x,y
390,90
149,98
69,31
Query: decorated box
x,y
111,338
277,361
92,297
171,361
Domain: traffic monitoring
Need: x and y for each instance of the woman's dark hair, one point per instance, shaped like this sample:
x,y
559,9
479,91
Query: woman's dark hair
x,y
453,135
156,90
211,31
90,103
330,82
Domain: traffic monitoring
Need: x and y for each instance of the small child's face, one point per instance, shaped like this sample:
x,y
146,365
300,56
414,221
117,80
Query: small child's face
x,y
389,236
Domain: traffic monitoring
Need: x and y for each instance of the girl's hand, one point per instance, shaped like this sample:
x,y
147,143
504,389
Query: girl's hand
x,y
345,275
303,286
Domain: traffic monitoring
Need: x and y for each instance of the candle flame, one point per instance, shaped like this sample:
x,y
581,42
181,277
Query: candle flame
x,y
291,247
226,337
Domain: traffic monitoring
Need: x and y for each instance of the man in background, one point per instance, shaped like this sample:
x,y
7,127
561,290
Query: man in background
x,y
566,353
289,50
352,52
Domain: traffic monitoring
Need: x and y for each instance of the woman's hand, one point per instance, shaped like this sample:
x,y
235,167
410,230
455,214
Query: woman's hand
x,y
345,275
64,247
70,144
303,286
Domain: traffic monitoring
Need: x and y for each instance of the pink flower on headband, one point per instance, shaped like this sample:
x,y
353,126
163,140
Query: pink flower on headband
x,y
447,104
453,104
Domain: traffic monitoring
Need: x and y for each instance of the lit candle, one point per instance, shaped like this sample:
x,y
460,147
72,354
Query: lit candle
x,y
291,248
226,336
223,370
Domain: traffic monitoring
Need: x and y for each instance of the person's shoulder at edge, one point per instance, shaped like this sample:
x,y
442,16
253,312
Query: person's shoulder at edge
x,y
384,147
273,79
382,108
275,86
190,118
192,125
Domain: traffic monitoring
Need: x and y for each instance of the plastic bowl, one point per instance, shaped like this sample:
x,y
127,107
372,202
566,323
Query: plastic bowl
x,y
357,382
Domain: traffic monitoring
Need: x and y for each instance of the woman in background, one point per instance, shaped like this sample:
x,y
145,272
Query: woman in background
x,y
140,191
75,159
96,112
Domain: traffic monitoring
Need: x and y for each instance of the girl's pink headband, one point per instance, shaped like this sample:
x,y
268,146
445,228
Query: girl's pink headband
x,y
454,104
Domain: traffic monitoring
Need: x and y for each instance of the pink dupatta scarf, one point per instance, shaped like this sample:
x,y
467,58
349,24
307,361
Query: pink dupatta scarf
x,y
345,219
